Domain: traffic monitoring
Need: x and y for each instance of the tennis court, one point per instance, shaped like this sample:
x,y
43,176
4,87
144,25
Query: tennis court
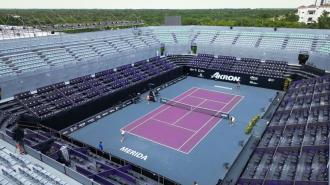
x,y
183,122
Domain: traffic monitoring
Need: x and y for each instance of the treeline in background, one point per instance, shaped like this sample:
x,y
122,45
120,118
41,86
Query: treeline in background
x,y
212,17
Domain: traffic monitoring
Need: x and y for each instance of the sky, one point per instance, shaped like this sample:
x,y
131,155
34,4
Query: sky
x,y
151,4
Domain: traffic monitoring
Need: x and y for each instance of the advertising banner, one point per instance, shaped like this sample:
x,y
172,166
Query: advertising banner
x,y
246,79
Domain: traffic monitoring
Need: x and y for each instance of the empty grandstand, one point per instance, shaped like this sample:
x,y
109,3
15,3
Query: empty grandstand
x,y
79,90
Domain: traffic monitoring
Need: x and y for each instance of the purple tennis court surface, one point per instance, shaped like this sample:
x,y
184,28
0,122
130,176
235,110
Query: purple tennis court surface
x,y
182,129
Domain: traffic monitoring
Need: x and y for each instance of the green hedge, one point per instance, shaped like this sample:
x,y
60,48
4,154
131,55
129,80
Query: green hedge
x,y
251,124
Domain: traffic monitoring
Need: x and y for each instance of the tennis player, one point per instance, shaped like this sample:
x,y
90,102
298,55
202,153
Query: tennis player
x,y
232,120
148,99
122,133
238,84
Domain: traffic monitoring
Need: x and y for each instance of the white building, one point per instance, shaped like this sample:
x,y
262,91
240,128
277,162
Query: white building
x,y
321,2
311,13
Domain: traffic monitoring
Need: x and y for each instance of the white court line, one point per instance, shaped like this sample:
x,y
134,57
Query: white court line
x,y
200,129
223,87
217,91
208,99
144,115
204,136
214,126
216,123
242,97
190,111
157,142
159,112
212,117
229,103
175,125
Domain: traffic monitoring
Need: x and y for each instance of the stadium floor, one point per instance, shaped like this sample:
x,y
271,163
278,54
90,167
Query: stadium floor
x,y
204,161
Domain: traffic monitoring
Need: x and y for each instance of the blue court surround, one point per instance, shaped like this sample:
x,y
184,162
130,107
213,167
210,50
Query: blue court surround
x,y
204,164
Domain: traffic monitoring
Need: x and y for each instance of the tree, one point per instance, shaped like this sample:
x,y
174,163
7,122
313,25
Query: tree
x,y
292,17
190,21
217,17
324,21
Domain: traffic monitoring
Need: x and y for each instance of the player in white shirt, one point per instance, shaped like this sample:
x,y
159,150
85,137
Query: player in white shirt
x,y
122,133
232,120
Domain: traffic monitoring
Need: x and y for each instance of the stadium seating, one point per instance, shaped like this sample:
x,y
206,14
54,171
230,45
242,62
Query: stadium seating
x,y
248,39
49,100
18,170
174,35
292,150
44,53
299,44
54,57
295,146
323,47
81,159
226,37
34,54
272,41
268,68
263,39
204,37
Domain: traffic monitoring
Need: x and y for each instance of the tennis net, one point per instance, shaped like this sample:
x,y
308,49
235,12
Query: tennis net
x,y
194,108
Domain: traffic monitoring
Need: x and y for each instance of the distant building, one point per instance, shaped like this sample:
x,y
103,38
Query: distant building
x,y
172,20
321,2
310,14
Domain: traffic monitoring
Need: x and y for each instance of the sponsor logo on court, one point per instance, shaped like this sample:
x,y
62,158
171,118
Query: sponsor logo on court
x,y
219,76
134,153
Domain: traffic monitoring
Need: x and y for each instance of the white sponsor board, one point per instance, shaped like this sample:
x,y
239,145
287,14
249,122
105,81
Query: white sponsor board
x,y
231,78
